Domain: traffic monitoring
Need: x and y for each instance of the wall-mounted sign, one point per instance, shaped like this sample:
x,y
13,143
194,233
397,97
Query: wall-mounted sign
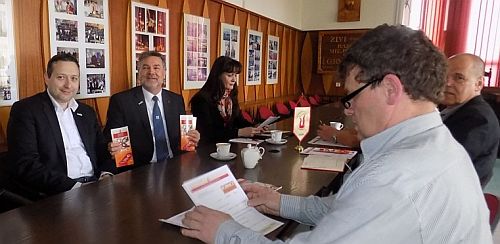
x,y
332,46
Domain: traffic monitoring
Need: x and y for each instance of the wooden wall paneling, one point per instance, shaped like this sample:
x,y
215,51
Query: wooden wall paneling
x,y
176,44
306,61
185,93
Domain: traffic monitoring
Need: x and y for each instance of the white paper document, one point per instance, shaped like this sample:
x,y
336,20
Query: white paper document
x,y
335,152
246,140
219,190
269,121
324,163
317,141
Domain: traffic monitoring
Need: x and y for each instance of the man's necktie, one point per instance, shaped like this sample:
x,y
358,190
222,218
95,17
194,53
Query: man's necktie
x,y
162,146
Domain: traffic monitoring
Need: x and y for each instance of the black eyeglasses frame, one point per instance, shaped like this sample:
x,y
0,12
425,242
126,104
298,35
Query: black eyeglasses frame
x,y
346,100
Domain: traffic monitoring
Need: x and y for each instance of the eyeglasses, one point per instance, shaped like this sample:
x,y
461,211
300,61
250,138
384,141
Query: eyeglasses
x,y
346,101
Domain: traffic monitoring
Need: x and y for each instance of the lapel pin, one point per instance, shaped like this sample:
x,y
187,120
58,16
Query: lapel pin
x,y
141,102
79,114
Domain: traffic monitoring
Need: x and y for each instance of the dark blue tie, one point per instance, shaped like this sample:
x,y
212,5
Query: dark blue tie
x,y
161,141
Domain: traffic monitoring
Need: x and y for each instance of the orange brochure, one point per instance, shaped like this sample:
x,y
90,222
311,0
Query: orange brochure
x,y
124,156
187,123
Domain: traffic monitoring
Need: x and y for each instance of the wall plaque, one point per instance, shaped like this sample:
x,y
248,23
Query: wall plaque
x,y
332,45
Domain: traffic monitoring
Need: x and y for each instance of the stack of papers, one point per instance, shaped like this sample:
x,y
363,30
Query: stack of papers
x,y
219,190
317,141
324,163
269,121
342,153
246,140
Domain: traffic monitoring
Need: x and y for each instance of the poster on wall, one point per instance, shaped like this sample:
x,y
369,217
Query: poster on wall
x,y
80,28
8,71
254,54
273,48
196,51
230,41
149,33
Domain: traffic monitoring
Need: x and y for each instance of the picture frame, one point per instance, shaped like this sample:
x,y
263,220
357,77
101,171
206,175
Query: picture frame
x,y
81,29
254,58
273,54
230,41
150,32
8,69
196,51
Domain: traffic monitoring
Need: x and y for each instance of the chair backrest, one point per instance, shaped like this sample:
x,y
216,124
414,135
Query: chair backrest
x,y
302,102
265,112
292,104
282,109
247,117
313,101
8,199
318,98
493,205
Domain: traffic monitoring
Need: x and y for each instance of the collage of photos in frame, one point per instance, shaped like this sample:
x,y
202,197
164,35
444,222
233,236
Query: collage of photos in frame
x,y
272,69
197,51
254,59
150,31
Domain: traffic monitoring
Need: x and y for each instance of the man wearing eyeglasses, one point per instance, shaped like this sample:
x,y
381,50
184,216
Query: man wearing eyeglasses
x,y
416,182
468,116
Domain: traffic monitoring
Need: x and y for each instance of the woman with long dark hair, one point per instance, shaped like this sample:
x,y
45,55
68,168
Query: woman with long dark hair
x,y
216,105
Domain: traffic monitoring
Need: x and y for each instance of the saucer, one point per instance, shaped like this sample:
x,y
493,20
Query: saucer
x,y
228,157
283,141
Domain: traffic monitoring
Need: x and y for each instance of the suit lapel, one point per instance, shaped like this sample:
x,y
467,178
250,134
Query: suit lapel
x,y
83,130
141,107
50,114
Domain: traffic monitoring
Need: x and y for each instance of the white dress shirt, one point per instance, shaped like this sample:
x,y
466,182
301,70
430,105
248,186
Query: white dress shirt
x,y
77,160
148,98
416,185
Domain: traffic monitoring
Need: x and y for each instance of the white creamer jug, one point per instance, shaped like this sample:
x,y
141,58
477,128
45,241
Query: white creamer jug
x,y
251,155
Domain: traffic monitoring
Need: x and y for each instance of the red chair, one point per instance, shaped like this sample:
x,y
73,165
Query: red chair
x,y
302,102
493,205
265,112
292,104
282,109
247,117
318,98
313,101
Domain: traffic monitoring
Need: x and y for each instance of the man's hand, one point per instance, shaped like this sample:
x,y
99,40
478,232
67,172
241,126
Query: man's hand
x,y
325,132
264,199
203,223
249,131
193,137
113,148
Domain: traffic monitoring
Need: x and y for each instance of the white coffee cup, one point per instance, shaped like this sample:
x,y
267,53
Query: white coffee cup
x,y
223,149
276,135
337,125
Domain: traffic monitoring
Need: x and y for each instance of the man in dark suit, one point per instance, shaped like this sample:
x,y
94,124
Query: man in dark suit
x,y
135,108
468,116
55,143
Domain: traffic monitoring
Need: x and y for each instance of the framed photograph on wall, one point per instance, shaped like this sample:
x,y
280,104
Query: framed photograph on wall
x,y
81,29
273,51
149,33
254,57
230,41
196,51
8,70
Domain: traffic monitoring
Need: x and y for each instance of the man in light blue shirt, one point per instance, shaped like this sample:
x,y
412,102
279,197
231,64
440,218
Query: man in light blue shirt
x,y
416,184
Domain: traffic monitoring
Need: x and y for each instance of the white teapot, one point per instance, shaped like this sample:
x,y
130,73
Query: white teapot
x,y
251,155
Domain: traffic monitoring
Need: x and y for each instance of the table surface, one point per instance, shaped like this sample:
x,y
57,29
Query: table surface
x,y
126,207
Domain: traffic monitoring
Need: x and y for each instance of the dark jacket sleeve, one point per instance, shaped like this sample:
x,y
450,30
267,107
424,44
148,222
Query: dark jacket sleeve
x,y
28,142
210,123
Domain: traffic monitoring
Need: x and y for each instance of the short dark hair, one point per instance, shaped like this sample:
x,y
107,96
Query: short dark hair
x,y
60,57
147,54
399,50
214,88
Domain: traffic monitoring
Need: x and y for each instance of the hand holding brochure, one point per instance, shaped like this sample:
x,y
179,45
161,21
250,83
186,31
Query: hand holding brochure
x,y
187,123
219,190
317,141
269,121
124,156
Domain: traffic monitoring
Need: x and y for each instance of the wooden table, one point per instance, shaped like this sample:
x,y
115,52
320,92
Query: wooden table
x,y
126,207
